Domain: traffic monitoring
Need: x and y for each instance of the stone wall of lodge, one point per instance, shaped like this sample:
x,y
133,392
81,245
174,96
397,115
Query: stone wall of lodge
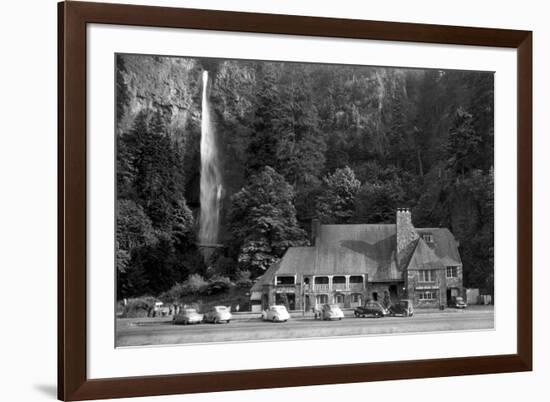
x,y
427,290
429,293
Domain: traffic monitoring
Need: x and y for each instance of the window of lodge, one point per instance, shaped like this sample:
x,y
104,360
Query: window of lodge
x,y
427,295
426,276
452,272
428,238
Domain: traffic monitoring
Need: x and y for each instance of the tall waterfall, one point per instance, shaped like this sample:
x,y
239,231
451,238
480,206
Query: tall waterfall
x,y
211,184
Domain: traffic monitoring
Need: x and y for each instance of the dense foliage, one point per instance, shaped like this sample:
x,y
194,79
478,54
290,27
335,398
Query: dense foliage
x,y
346,144
262,220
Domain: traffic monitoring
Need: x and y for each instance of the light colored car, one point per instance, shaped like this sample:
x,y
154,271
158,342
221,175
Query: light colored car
x,y
329,312
218,314
275,314
188,316
458,302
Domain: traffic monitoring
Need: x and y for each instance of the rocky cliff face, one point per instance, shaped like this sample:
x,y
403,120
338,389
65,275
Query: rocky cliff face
x,y
173,87
166,84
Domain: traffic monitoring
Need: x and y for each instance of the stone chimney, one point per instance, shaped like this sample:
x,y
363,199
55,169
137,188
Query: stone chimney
x,y
406,235
315,231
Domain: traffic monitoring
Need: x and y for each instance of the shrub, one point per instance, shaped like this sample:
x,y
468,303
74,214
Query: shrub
x,y
218,285
194,285
139,307
242,279
224,266
173,294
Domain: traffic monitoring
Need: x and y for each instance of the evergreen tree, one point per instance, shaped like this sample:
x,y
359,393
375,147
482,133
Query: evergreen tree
x,y
464,143
155,178
337,202
133,231
263,221
262,147
182,224
301,146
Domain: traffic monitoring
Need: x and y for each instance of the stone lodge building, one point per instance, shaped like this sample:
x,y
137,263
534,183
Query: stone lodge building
x,y
348,264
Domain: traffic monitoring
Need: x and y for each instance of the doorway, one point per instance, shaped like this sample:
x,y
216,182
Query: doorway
x,y
286,299
452,293
291,301
393,293
355,300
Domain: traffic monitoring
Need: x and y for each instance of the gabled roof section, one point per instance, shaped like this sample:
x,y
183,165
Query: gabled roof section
x,y
358,249
346,249
424,257
266,278
445,245
363,250
296,260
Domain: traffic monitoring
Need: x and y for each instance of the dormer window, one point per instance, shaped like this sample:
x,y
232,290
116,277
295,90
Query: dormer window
x,y
428,238
452,272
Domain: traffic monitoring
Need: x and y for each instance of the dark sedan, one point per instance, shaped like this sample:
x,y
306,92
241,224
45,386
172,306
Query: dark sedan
x,y
403,308
371,309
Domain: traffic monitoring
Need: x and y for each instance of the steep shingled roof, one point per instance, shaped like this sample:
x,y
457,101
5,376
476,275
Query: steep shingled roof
x,y
363,249
358,249
445,245
266,278
346,249
424,257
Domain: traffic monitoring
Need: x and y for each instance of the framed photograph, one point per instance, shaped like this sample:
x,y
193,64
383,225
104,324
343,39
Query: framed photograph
x,y
254,201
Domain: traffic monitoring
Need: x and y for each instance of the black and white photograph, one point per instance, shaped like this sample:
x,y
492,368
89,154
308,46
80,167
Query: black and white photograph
x,y
265,200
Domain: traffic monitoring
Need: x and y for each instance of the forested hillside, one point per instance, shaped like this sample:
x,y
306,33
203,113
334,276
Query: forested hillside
x,y
347,144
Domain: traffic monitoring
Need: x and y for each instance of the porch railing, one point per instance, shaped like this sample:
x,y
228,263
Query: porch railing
x,y
339,286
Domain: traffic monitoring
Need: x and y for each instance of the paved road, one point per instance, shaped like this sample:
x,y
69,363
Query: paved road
x,y
135,332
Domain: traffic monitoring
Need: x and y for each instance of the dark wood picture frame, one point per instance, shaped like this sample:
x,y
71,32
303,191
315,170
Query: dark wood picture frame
x,y
73,383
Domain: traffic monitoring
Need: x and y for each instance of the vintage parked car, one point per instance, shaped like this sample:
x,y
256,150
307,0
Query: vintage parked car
x,y
403,307
188,316
160,310
275,314
329,312
217,314
372,309
458,302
